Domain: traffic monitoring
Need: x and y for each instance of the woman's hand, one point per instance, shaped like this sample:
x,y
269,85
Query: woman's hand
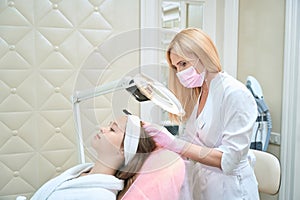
x,y
163,137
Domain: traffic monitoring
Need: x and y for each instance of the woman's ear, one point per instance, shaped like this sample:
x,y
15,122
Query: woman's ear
x,y
121,151
121,155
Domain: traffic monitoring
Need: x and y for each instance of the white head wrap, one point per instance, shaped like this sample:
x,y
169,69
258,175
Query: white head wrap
x,y
132,137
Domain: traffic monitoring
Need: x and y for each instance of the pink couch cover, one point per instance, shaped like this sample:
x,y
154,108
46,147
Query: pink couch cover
x,y
160,178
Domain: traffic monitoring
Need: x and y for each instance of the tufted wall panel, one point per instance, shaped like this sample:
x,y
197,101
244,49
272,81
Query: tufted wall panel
x,y
43,44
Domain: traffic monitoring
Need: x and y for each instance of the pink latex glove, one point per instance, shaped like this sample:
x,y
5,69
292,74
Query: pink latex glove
x,y
164,138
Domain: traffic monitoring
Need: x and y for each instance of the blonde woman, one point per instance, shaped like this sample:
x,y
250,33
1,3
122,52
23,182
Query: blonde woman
x,y
220,114
121,148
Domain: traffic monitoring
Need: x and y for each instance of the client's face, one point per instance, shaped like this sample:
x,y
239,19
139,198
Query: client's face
x,y
108,142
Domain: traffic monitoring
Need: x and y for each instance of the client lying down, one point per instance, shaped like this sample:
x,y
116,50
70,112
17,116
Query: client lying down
x,y
121,150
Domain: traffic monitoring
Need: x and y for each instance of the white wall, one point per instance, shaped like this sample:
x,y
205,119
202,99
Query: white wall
x,y
260,50
261,44
42,47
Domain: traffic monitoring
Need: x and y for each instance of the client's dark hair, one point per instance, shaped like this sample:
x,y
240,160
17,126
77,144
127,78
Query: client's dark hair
x,y
126,172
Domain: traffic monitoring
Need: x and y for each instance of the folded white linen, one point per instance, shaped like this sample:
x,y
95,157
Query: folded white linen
x,y
68,186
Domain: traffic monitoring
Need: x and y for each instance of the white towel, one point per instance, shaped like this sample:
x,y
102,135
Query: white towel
x,y
67,186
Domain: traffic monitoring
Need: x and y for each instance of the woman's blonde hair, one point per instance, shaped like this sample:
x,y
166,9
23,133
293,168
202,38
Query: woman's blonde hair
x,y
127,172
190,43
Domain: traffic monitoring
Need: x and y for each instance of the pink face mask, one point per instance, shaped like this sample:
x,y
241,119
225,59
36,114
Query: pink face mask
x,y
190,78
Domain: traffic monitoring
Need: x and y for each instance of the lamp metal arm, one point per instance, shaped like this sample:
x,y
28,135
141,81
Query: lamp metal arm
x,y
106,88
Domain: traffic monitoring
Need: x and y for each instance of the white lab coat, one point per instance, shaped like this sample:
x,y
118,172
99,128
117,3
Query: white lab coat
x,y
67,186
226,124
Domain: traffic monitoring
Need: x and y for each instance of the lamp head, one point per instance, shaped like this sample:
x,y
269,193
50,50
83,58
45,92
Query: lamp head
x,y
134,90
144,88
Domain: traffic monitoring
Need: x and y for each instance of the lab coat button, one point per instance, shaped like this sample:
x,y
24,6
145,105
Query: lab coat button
x,y
239,177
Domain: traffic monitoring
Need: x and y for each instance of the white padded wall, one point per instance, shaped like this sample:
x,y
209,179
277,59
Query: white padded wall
x,y
42,46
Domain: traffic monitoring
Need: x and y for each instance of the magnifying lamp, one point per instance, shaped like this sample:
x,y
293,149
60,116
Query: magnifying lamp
x,y
142,87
